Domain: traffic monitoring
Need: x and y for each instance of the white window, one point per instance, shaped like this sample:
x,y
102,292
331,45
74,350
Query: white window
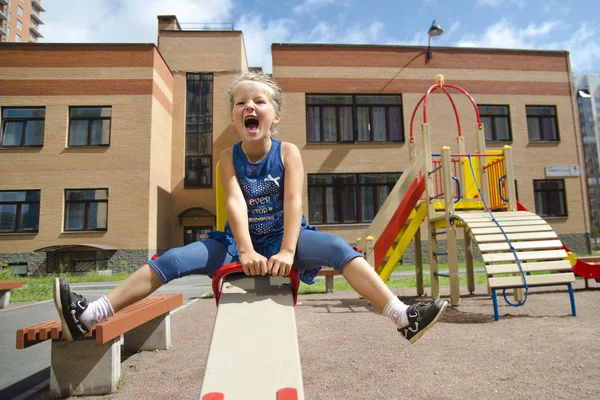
x,y
17,38
19,25
20,10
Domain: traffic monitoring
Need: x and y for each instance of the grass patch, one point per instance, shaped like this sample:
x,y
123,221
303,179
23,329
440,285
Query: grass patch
x,y
40,288
395,283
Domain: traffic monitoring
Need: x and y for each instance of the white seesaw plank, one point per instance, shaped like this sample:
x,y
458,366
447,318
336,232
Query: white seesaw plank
x,y
254,348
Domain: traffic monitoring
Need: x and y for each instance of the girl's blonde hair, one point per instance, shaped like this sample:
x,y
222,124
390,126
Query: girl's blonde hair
x,y
276,95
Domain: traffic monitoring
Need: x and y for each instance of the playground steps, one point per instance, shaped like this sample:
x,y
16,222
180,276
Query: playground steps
x,y
542,257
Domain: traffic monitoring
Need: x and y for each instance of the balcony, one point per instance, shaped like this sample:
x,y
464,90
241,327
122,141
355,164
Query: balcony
x,y
3,2
3,31
36,4
35,32
36,19
3,15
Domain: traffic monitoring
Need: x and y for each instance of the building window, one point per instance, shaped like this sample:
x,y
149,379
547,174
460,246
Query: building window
x,y
550,199
23,126
89,126
542,125
354,118
17,38
193,234
20,10
496,122
347,198
19,25
19,211
198,130
86,209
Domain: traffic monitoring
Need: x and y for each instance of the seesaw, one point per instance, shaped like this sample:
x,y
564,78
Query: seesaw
x,y
254,350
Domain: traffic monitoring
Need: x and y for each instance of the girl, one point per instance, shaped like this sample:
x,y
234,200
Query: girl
x,y
262,179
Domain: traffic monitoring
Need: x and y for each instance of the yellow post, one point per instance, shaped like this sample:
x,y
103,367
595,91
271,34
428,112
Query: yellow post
x,y
221,203
511,192
448,188
369,251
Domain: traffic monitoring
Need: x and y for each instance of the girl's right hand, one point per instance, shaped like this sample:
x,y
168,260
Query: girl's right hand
x,y
253,263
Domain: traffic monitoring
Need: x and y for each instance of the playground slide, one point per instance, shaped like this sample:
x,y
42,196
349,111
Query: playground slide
x,y
395,211
254,351
581,268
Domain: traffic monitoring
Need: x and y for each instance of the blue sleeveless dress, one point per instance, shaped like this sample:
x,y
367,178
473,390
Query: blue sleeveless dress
x,y
262,184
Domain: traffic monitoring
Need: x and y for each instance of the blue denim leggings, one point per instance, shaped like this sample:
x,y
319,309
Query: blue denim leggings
x,y
205,257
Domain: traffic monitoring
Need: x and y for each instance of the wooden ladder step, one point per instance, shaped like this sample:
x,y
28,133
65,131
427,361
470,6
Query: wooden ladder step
x,y
525,256
510,229
532,280
562,265
527,245
515,237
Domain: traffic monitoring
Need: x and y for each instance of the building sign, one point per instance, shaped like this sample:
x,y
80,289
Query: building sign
x,y
563,170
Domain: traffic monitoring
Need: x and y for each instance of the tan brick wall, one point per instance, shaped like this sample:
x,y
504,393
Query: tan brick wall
x,y
122,168
526,88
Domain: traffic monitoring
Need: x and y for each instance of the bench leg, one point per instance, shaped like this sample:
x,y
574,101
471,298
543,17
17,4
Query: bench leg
x,y
84,368
153,335
329,283
4,298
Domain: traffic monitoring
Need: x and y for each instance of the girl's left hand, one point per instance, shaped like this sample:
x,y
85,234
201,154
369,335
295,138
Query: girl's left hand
x,y
281,263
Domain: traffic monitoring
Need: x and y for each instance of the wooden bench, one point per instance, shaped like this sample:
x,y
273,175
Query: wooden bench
x,y
92,365
547,273
328,273
5,287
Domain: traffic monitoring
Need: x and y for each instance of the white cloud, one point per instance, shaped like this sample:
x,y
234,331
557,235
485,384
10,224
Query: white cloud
x,y
258,37
325,32
583,45
309,6
504,35
499,3
131,21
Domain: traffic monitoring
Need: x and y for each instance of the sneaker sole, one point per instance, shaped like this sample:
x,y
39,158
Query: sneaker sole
x,y
58,304
432,323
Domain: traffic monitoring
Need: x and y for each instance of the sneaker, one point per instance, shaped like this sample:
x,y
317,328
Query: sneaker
x,y
70,306
421,317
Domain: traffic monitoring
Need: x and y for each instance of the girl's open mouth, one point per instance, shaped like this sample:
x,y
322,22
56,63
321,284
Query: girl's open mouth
x,y
251,124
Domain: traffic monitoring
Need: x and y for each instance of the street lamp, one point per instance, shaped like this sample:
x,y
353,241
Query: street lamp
x,y
434,31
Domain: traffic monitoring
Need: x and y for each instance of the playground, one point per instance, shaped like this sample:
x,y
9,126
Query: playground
x,y
349,352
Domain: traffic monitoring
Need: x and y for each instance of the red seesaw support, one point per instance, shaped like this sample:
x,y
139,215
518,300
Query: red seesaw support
x,y
254,341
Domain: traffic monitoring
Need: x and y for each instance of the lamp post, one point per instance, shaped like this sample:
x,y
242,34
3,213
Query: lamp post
x,y
434,31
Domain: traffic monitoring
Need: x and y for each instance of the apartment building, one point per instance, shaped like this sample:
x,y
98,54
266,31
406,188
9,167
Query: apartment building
x,y
20,20
108,152
588,102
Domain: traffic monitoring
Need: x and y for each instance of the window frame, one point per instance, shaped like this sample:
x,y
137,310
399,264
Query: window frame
x,y
493,117
354,106
540,125
195,228
90,129
205,126
563,193
343,187
5,120
18,212
86,210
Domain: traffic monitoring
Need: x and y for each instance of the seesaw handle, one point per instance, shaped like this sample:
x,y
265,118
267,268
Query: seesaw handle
x,y
236,267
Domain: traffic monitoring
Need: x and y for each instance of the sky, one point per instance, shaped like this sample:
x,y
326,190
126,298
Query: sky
x,y
517,24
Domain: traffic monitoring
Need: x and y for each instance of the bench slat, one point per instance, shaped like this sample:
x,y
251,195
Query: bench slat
x,y
525,256
125,320
527,245
516,236
562,265
4,285
135,315
532,280
510,229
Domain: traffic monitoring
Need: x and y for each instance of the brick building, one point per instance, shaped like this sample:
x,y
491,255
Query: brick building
x,y
108,151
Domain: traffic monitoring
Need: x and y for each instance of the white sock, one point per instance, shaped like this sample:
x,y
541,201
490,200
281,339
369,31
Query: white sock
x,y
96,311
396,311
